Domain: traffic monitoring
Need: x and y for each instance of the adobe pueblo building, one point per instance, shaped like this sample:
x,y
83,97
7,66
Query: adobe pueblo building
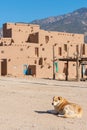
x,y
27,50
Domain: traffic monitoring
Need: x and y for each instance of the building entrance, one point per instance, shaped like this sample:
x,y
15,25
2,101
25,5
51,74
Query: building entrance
x,y
4,67
32,70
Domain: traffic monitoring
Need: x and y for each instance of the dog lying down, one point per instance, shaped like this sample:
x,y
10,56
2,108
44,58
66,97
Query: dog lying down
x,y
66,109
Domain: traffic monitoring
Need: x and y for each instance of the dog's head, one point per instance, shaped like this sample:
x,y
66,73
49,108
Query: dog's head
x,y
57,100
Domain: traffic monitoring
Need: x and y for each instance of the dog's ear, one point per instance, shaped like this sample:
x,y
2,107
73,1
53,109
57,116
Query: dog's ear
x,y
53,97
59,98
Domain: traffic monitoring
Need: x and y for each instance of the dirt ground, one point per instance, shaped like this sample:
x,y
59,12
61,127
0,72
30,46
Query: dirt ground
x,y
24,104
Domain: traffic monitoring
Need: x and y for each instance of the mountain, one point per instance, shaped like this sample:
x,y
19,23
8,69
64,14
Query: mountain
x,y
74,22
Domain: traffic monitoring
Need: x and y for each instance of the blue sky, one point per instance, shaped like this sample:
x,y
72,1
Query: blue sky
x,y
29,10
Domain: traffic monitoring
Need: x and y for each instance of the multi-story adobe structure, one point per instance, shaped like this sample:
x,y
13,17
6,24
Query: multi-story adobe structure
x,y
25,49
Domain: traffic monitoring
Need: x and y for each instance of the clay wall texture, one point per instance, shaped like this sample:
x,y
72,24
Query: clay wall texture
x,y
25,49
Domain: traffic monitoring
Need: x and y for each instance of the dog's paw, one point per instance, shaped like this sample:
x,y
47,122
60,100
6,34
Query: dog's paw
x,y
59,115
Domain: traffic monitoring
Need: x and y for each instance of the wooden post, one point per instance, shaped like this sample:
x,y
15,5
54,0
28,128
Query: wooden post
x,y
77,65
67,71
82,71
67,64
53,63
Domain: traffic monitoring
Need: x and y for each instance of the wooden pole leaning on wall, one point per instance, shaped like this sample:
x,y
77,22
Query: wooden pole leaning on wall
x,y
77,64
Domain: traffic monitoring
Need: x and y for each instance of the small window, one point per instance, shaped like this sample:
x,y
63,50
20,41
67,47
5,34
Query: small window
x,y
36,51
60,51
41,44
1,44
65,47
83,52
77,48
46,39
43,49
41,61
35,62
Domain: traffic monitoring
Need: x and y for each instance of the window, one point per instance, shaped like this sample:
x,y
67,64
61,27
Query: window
x,y
33,38
77,49
35,62
1,44
36,51
65,47
60,51
83,51
46,39
65,69
41,61
43,49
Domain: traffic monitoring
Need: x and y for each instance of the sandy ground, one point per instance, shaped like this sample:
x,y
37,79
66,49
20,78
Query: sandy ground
x,y
24,104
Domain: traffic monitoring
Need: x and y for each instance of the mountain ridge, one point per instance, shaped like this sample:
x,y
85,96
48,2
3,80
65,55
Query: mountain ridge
x,y
73,22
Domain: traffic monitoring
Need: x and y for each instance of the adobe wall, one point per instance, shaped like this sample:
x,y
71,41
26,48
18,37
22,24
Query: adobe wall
x,y
19,32
59,40
26,44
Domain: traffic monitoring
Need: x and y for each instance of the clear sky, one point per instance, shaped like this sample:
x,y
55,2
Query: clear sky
x,y
29,10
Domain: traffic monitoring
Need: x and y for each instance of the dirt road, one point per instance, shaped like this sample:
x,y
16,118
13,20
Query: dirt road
x,y
24,104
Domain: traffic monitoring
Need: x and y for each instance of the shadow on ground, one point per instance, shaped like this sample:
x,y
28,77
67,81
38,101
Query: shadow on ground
x,y
46,112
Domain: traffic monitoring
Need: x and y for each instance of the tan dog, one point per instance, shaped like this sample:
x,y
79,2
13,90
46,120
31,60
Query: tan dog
x,y
66,109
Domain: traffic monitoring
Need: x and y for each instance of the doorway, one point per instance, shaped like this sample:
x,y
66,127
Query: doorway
x,y
4,67
32,70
